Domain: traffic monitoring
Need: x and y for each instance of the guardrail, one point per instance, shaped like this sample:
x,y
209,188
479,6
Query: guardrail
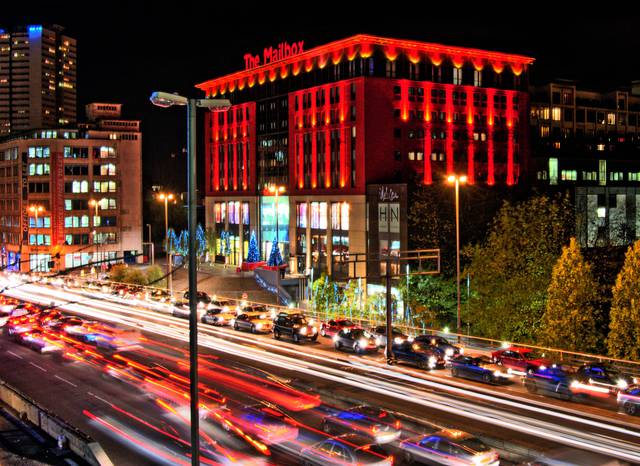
x,y
78,442
474,342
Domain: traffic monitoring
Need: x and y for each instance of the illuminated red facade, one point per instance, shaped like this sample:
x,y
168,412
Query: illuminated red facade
x,y
368,110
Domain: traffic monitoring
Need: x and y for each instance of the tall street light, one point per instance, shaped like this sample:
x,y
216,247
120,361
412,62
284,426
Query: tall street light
x,y
166,198
456,181
164,99
96,204
36,209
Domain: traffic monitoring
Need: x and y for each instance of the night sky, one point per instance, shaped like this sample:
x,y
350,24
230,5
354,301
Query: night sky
x,y
127,50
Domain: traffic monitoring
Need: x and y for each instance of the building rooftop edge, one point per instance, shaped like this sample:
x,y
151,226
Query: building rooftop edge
x,y
364,41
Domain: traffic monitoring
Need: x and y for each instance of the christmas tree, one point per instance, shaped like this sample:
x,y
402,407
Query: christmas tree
x,y
201,241
275,259
170,241
253,255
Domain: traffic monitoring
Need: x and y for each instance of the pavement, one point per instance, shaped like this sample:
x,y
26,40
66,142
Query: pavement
x,y
225,281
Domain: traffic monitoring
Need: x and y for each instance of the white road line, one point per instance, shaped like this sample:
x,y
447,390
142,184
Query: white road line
x,y
14,354
101,399
39,367
65,380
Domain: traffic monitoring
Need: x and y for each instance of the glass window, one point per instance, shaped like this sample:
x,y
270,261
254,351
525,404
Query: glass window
x,y
301,215
553,171
319,215
556,113
457,75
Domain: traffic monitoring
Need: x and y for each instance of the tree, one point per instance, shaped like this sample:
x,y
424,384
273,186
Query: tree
x,y
118,273
571,319
511,269
201,242
171,242
624,328
432,299
154,275
275,258
253,255
211,238
136,277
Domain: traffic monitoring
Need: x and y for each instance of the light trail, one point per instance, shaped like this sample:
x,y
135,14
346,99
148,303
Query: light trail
x,y
528,425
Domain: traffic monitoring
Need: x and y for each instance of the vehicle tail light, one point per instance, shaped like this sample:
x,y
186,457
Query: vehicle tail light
x,y
374,429
390,458
398,425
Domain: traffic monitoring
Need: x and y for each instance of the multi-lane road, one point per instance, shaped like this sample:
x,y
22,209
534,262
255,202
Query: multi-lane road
x,y
132,426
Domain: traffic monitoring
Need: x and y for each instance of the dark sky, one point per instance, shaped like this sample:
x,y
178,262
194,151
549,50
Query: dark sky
x,y
128,49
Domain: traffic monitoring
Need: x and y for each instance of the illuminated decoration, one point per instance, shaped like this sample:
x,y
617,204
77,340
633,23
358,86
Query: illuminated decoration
x,y
510,175
271,54
284,72
414,57
491,180
366,44
427,176
517,68
232,86
352,52
296,69
241,84
322,61
35,29
457,61
272,75
336,56
478,64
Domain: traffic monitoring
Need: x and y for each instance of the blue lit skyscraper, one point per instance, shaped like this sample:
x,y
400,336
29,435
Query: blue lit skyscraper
x,y
37,78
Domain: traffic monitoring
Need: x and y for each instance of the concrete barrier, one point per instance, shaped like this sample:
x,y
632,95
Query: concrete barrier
x,y
78,442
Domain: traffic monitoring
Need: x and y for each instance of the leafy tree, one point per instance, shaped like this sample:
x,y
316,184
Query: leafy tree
x,y
572,317
210,238
624,328
136,277
118,273
154,274
511,270
432,299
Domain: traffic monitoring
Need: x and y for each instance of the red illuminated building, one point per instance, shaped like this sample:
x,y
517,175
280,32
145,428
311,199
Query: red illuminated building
x,y
343,127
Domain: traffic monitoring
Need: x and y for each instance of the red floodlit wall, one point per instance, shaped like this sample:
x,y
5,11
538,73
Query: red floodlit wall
x,y
230,165
322,120
468,131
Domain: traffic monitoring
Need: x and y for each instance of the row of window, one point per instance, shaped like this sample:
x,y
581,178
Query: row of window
x,y
231,210
316,212
585,116
83,186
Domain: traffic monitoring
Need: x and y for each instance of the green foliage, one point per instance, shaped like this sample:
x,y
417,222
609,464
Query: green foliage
x,y
154,274
118,273
432,299
210,237
511,270
624,328
324,294
571,319
136,276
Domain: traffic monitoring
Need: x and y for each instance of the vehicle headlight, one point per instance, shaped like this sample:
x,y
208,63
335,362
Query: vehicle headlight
x,y
449,352
303,331
314,330
225,308
200,305
232,321
335,338
461,350
378,341
622,384
363,342
220,319
258,326
543,368
432,361
397,340
498,373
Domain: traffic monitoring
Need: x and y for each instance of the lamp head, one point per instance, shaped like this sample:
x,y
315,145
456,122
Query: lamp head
x,y
451,179
165,99
463,179
215,105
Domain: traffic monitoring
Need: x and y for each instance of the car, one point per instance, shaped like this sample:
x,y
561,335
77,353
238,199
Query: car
x,y
442,343
8,312
520,360
604,376
380,332
468,367
379,425
181,309
555,381
253,321
217,316
346,449
202,298
61,323
329,329
114,339
295,326
449,447
243,308
17,325
39,340
355,339
420,354
629,400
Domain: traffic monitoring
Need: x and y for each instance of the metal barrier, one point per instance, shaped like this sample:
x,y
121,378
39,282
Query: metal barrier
x,y
78,442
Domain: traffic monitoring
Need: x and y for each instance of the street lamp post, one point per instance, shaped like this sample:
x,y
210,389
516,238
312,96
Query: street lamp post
x,y
96,204
166,198
164,99
151,248
36,209
456,180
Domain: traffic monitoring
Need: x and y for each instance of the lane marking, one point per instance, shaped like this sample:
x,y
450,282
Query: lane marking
x,y
65,380
39,367
14,354
101,399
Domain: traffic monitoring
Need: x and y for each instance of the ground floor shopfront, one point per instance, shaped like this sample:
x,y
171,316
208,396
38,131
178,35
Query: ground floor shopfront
x,y
316,234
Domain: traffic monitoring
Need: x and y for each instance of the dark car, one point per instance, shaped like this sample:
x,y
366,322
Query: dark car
x,y
379,425
201,297
520,360
380,332
629,400
347,449
294,326
554,381
356,339
331,328
603,376
420,354
479,369
448,447
255,322
442,343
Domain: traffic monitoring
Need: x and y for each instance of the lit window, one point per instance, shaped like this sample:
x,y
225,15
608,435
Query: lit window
x,y
556,114
477,78
553,171
457,75
611,118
